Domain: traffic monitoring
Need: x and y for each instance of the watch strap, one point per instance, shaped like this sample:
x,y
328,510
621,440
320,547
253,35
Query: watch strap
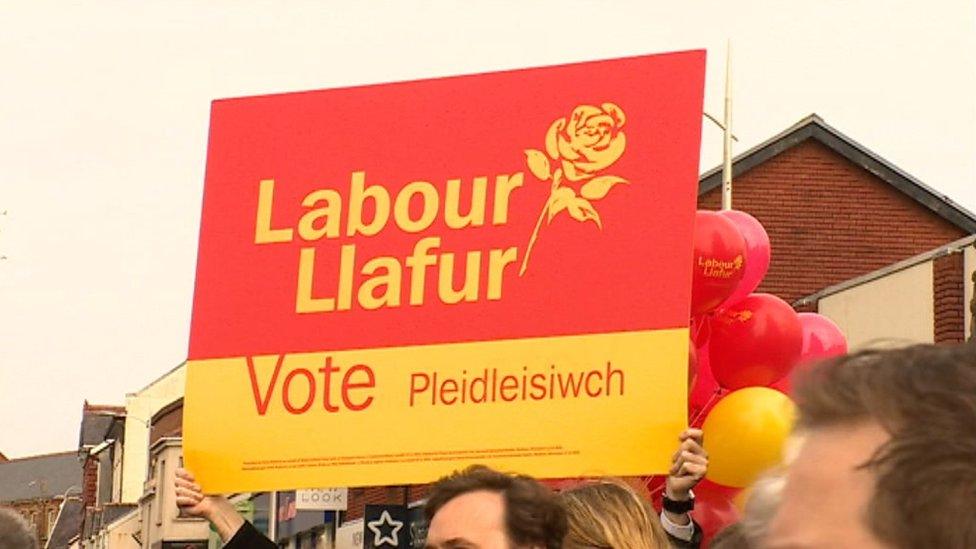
x,y
677,507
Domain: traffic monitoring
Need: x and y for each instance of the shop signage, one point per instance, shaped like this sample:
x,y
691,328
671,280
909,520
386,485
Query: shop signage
x,y
322,499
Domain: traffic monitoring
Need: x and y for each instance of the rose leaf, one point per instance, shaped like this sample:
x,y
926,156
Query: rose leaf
x,y
598,187
538,163
581,210
552,147
556,207
561,198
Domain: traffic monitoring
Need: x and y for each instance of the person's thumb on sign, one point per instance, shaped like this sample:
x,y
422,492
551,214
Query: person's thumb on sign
x,y
216,509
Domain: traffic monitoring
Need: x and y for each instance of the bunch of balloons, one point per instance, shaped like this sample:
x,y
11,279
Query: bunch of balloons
x,y
744,345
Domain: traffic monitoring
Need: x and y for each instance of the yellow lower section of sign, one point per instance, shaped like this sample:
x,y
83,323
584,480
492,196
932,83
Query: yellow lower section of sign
x,y
568,406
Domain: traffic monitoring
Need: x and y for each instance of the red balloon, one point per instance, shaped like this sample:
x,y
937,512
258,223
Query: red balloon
x,y
720,490
754,342
700,330
714,508
758,253
785,385
655,489
719,258
821,338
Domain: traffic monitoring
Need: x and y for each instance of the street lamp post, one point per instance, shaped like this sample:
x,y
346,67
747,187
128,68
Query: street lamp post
x,y
727,136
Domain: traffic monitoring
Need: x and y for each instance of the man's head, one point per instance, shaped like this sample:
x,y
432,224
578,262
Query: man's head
x,y
479,508
889,453
15,532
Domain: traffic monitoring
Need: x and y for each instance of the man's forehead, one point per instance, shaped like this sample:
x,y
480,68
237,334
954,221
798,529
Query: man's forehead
x,y
477,517
827,490
853,443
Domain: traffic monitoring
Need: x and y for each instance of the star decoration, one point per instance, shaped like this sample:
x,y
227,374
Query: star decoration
x,y
377,527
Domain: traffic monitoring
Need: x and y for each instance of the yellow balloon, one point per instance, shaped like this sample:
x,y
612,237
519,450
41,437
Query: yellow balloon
x,y
744,434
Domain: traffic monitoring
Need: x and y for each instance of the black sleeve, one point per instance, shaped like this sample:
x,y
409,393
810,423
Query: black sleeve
x,y
248,537
695,542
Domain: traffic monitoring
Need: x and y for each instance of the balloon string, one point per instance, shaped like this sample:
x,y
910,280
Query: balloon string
x,y
699,326
718,392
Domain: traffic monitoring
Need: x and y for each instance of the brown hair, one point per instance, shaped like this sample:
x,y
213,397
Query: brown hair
x,y
925,398
732,536
611,515
15,532
533,516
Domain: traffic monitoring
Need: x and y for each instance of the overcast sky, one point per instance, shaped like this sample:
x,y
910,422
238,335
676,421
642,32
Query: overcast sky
x,y
104,109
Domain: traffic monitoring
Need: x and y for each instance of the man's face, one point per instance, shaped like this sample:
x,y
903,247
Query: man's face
x,y
475,520
825,500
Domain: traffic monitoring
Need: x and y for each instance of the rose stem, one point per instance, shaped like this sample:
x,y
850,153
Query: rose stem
x,y
535,234
538,224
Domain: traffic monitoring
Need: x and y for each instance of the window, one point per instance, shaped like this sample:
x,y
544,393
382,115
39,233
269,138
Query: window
x,y
52,517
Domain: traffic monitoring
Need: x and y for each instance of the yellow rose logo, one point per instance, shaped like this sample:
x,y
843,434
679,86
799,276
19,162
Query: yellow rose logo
x,y
589,142
582,147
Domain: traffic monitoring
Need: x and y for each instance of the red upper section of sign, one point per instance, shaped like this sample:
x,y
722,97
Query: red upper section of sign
x,y
636,119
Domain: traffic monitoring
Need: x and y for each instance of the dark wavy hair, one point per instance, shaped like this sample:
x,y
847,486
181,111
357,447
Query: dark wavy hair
x,y
533,515
925,397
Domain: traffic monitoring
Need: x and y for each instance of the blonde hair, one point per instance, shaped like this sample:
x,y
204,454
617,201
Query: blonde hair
x,y
611,515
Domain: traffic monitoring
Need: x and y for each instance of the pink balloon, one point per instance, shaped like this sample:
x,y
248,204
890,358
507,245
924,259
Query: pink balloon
x,y
719,255
758,253
821,338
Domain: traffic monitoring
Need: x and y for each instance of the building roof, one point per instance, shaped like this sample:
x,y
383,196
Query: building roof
x,y
99,423
104,408
68,524
46,476
114,511
170,372
814,127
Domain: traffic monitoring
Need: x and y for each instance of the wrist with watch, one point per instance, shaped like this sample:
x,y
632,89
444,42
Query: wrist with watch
x,y
678,506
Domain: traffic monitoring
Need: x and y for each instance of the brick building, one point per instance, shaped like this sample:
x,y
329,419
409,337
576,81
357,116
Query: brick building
x,y
927,298
99,443
833,209
101,440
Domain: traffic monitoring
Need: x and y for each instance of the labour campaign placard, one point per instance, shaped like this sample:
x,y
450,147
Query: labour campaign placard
x,y
400,280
